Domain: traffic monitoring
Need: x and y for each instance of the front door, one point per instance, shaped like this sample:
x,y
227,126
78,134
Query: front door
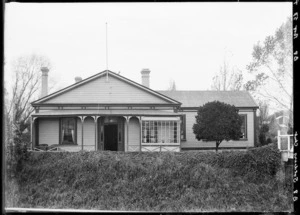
x,y
111,137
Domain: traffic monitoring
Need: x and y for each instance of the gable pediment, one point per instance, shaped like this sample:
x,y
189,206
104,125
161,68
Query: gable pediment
x,y
106,88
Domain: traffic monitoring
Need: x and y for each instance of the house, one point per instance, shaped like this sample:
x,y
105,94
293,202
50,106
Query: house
x,y
110,112
280,120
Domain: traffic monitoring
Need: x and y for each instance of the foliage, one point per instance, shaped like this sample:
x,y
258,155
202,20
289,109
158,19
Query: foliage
x,y
17,153
257,164
264,129
272,69
188,181
16,156
263,112
7,121
217,121
263,120
24,89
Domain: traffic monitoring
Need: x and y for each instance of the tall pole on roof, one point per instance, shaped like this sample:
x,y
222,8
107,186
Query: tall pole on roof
x,y
106,53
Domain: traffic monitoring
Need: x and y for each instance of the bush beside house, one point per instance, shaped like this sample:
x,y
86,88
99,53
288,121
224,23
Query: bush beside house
x,y
217,121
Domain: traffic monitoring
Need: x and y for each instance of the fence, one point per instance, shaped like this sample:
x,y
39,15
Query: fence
x,y
45,148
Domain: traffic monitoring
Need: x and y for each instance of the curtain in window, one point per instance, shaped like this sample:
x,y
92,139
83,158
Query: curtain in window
x,y
63,134
244,127
73,137
68,130
183,127
160,132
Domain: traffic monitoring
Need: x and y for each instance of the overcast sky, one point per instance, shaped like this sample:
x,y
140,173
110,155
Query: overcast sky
x,y
185,42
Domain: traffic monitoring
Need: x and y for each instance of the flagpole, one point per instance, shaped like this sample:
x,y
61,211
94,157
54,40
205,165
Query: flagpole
x,y
106,53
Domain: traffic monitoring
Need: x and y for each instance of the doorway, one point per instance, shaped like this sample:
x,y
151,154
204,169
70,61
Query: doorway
x,y
111,137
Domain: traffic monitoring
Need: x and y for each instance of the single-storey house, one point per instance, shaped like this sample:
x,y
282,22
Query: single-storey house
x,y
110,112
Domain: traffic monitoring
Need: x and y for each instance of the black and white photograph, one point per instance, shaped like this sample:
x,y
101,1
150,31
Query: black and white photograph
x,y
149,107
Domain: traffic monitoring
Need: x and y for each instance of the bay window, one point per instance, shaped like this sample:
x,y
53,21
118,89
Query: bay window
x,y
160,131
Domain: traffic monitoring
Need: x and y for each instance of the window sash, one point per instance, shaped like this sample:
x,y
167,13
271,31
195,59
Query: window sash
x,y
68,131
244,126
183,127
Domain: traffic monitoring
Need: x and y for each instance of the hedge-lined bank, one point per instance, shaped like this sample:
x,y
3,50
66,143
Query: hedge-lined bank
x,y
187,181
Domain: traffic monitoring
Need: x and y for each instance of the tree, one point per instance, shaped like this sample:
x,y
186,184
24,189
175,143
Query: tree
x,y
263,112
7,120
227,78
263,123
24,90
217,121
271,67
262,137
172,85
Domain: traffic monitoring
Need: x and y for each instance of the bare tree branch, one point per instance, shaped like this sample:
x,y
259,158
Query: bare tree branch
x,y
274,60
271,97
278,80
24,90
227,79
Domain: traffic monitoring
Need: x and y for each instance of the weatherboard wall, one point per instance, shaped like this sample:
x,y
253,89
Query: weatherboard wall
x,y
192,142
48,131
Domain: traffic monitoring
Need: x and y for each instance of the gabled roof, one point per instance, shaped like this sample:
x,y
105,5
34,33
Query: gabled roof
x,y
199,98
96,89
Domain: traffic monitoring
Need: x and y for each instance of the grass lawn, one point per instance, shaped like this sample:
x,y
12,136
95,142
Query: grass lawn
x,y
185,181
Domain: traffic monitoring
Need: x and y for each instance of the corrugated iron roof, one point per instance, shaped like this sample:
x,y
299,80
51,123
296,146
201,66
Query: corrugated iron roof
x,y
199,98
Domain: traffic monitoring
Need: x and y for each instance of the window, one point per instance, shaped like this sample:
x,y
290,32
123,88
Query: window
x,y
68,129
244,127
183,127
280,120
160,132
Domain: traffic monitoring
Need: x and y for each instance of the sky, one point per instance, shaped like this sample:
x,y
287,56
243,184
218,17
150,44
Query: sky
x,y
183,42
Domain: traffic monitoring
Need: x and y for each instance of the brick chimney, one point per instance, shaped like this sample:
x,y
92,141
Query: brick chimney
x,y
77,79
45,71
145,77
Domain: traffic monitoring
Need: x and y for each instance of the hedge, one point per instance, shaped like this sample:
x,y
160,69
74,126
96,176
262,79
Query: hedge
x,y
185,181
256,163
